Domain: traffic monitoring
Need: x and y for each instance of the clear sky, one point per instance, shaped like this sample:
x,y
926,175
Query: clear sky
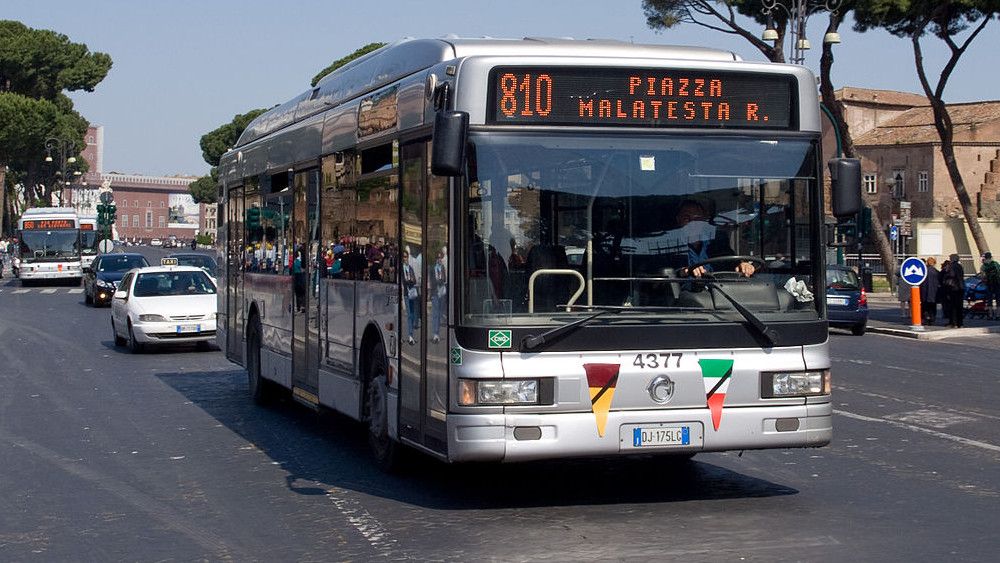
x,y
184,67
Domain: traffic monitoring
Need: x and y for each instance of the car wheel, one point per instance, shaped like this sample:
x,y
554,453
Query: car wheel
x,y
119,341
260,389
134,345
859,330
385,450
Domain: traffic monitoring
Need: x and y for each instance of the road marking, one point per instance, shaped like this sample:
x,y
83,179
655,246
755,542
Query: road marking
x,y
935,433
16,291
367,525
77,290
48,291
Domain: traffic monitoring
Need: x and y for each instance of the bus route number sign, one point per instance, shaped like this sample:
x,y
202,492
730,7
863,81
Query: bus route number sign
x,y
48,224
600,96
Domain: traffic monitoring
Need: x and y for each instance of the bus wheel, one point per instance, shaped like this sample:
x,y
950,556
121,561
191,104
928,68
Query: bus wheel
x,y
384,448
259,387
134,345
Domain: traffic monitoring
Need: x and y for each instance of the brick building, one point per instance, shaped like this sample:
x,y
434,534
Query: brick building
x,y
902,164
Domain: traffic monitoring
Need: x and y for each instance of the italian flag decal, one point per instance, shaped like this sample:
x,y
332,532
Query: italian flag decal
x,y
601,378
716,374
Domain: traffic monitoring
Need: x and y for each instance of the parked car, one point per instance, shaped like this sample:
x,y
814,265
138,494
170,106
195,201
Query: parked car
x,y
165,304
203,261
101,278
156,242
846,301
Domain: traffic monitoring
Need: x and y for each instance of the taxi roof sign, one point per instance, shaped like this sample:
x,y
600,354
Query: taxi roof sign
x,y
168,261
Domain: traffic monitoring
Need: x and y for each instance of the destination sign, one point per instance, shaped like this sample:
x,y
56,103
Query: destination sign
x,y
86,227
48,224
641,98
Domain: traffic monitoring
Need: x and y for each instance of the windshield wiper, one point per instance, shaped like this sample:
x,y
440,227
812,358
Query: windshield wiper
x,y
769,334
531,341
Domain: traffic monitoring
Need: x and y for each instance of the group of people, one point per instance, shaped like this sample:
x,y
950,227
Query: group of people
x,y
8,249
947,288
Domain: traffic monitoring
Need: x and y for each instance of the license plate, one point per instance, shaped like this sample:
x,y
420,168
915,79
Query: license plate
x,y
837,300
188,328
642,436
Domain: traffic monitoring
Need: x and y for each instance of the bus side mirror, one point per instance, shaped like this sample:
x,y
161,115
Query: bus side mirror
x,y
451,130
845,186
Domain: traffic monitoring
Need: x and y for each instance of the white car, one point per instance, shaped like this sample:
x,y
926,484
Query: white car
x,y
165,304
156,242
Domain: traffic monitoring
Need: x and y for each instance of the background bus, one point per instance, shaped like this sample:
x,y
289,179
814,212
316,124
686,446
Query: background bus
x,y
479,247
88,240
49,244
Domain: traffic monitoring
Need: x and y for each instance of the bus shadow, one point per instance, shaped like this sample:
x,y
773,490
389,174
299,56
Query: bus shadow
x,y
320,451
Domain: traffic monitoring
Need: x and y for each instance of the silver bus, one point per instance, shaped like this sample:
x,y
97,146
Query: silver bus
x,y
49,244
88,240
507,250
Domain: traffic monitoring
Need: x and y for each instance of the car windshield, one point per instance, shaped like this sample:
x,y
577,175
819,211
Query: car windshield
x,y
558,225
50,245
837,278
112,263
198,261
158,284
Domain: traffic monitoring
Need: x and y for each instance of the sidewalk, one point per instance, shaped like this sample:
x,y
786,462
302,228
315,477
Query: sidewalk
x,y
884,317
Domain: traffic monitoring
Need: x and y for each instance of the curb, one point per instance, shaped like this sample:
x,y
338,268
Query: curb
x,y
933,335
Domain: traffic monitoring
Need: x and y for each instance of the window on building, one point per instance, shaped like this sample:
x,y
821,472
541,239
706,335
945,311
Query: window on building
x,y
149,219
135,220
898,183
162,204
124,220
135,203
923,182
124,203
871,183
149,203
163,221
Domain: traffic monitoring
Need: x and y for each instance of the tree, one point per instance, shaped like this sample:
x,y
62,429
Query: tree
x,y
36,67
720,15
344,60
946,20
214,144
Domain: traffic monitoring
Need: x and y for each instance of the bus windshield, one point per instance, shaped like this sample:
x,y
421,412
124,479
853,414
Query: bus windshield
x,y
617,221
50,245
88,243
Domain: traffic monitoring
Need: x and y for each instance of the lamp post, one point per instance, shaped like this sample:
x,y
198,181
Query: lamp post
x,y
798,12
64,149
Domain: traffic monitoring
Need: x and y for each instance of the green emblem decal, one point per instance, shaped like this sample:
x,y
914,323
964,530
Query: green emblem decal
x,y
456,356
499,339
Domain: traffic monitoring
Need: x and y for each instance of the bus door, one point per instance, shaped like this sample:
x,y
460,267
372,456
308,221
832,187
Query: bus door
x,y
305,286
423,273
235,262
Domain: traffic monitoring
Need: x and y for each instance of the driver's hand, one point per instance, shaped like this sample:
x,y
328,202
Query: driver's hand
x,y
695,273
745,269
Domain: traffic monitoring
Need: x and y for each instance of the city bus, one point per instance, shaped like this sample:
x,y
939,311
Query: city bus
x,y
88,240
49,239
509,250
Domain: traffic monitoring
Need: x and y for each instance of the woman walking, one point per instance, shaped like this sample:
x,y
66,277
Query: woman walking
x,y
953,283
928,293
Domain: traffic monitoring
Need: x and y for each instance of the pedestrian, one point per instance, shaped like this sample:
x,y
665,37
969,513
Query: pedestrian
x,y
411,296
990,274
952,280
928,292
439,299
903,294
194,244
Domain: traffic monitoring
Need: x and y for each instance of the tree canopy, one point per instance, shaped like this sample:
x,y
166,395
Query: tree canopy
x,y
214,144
344,60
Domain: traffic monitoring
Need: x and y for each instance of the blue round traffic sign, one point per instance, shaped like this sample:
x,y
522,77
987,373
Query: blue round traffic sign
x,y
913,271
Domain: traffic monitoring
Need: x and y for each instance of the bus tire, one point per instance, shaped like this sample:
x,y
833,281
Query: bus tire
x,y
260,388
134,345
119,341
384,449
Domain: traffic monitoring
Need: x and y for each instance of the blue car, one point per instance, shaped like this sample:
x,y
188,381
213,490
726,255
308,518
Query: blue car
x,y
975,288
846,302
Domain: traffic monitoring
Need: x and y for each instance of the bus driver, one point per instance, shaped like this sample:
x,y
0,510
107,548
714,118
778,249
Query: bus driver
x,y
701,242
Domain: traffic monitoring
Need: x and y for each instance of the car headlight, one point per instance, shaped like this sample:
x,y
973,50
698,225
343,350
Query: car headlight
x,y
473,392
107,284
794,384
152,318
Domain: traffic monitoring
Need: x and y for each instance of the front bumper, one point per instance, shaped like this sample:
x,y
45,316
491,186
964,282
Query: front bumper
x,y
490,437
49,274
167,332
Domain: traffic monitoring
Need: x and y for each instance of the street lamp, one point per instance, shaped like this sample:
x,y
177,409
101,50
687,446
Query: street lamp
x,y
64,149
798,12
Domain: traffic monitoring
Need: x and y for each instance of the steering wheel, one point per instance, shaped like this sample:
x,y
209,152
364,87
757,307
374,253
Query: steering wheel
x,y
729,258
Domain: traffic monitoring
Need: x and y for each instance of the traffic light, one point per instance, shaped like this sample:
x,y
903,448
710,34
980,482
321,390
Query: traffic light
x,y
111,211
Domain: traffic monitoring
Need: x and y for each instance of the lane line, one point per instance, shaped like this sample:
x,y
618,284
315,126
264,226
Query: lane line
x,y
77,290
49,291
935,433
16,291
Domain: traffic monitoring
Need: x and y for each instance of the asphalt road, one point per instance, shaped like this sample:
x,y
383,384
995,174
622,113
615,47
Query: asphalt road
x,y
106,455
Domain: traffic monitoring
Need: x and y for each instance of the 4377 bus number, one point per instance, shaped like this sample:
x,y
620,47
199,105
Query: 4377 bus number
x,y
654,360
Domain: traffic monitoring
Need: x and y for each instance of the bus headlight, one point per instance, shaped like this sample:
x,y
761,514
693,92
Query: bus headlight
x,y
794,384
472,392
152,318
